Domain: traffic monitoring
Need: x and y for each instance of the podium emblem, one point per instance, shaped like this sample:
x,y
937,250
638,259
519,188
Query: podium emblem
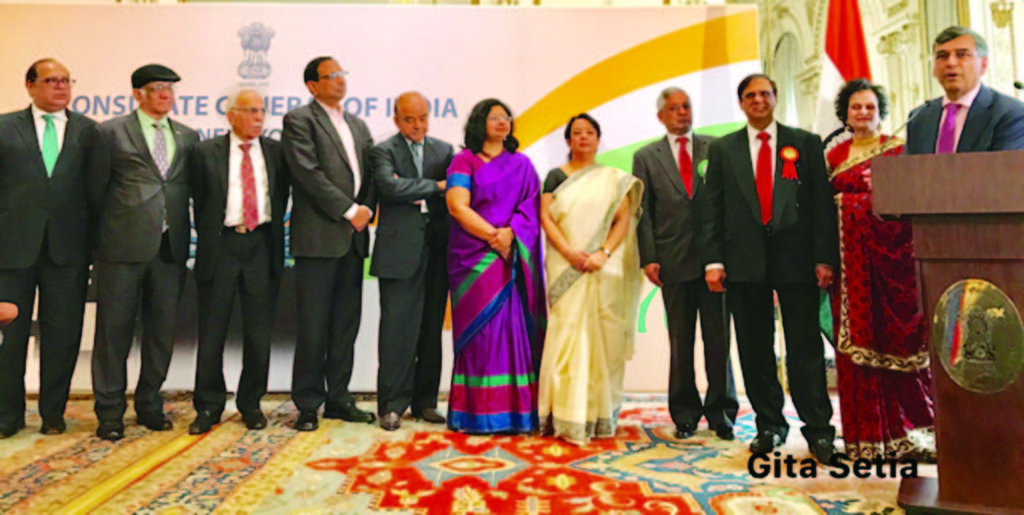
x,y
978,336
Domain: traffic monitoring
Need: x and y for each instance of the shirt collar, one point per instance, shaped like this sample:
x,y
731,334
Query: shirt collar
x,y
688,134
965,100
772,129
38,113
410,142
330,110
236,141
148,121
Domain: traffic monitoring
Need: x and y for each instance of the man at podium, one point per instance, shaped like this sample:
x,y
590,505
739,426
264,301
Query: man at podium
x,y
971,117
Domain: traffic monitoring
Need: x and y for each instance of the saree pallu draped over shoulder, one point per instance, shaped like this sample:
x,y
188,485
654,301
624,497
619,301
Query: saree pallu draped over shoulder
x,y
591,324
498,312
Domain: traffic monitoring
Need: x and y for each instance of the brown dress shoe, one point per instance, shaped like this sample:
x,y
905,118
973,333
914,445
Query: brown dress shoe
x,y
390,421
429,415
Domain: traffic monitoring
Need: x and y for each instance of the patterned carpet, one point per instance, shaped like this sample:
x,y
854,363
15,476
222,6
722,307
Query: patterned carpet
x,y
420,469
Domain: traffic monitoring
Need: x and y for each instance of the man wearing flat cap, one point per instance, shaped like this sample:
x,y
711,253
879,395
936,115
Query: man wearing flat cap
x,y
140,190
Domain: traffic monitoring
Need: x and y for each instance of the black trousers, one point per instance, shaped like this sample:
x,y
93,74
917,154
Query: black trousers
x,y
121,288
753,311
412,313
329,299
62,291
243,269
683,301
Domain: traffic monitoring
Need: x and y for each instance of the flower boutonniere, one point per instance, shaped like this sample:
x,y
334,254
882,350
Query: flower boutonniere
x,y
789,156
702,168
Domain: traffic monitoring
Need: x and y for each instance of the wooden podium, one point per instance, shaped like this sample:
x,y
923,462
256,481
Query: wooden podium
x,y
967,212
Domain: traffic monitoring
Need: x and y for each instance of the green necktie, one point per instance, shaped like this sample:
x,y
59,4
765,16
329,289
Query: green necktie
x,y
50,151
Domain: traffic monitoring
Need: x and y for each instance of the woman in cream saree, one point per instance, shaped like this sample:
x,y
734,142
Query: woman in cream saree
x,y
589,213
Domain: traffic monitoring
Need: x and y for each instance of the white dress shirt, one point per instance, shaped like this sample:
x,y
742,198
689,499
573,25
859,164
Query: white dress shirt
x,y
60,121
961,116
675,147
348,142
234,213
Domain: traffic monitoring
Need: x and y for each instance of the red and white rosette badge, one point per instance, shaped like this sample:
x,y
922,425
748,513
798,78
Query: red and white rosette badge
x,y
789,156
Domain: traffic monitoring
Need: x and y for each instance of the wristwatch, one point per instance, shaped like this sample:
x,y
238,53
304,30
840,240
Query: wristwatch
x,y
607,252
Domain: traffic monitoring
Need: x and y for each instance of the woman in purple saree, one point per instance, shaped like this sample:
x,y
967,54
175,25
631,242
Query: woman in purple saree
x,y
494,270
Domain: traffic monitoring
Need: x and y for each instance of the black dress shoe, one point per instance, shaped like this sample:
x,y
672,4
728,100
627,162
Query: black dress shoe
x,y
429,415
158,422
823,449
53,427
254,419
350,413
390,421
111,431
685,431
203,423
765,442
307,421
724,432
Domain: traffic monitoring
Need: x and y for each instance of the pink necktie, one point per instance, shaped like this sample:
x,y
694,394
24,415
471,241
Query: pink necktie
x,y
947,135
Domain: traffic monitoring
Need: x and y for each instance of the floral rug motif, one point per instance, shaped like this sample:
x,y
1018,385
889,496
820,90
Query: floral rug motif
x,y
419,469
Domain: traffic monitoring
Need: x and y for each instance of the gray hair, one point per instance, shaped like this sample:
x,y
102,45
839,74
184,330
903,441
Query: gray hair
x,y
233,97
667,92
955,31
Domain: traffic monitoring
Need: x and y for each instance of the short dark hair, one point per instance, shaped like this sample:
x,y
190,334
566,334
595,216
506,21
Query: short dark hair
x,y
750,78
312,71
581,116
842,103
950,33
476,126
32,74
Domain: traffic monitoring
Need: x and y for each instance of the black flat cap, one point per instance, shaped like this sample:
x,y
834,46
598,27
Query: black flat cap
x,y
153,73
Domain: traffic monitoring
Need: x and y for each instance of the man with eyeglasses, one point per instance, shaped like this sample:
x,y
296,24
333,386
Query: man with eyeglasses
x,y
44,152
410,261
140,188
333,201
970,117
240,192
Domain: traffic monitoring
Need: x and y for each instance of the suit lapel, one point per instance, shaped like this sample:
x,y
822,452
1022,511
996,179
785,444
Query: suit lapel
x,y
271,167
179,148
71,130
783,190
744,170
134,128
669,165
222,164
977,118
430,157
405,156
930,119
27,127
327,126
700,149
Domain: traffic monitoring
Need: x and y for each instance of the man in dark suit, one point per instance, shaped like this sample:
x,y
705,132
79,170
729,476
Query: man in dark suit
x,y
671,256
139,187
44,152
769,222
971,117
240,193
411,264
333,201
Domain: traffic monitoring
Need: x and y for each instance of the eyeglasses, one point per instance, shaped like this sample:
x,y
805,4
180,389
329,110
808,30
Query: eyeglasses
x,y
335,75
160,88
499,118
960,54
57,81
250,110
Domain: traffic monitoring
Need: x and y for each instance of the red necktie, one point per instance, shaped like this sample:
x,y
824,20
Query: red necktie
x,y
763,177
685,166
250,213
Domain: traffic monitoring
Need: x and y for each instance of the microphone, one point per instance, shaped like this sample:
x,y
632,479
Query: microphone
x,y
913,114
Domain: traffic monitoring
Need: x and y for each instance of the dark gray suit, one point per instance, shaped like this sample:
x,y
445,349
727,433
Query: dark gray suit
x,y
230,264
137,260
994,122
328,252
668,234
43,244
410,261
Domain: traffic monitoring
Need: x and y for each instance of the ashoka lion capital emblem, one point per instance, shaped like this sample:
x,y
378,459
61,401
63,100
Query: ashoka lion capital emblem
x,y
255,41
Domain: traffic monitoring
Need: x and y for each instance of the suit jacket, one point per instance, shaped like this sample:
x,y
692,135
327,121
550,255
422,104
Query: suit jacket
x,y
32,204
210,168
323,183
803,231
400,226
133,199
669,227
994,122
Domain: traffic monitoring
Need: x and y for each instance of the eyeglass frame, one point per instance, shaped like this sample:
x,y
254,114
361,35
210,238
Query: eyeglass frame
x,y
55,81
334,75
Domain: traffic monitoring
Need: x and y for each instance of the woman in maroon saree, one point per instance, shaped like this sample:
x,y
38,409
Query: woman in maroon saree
x,y
881,338
496,283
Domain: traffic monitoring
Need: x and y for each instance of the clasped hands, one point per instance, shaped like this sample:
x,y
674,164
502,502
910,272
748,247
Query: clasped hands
x,y
361,219
585,262
501,241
